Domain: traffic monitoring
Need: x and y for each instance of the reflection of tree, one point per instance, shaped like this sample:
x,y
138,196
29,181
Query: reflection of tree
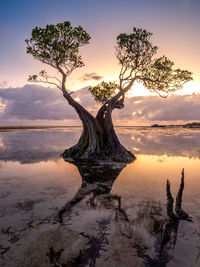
x,y
97,181
39,145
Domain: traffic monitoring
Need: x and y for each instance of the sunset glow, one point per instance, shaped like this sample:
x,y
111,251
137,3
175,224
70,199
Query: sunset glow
x,y
175,35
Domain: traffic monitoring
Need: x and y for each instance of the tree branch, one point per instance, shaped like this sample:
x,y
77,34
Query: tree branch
x,y
47,82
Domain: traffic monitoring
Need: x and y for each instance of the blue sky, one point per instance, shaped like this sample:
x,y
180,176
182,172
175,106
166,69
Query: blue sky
x,y
174,24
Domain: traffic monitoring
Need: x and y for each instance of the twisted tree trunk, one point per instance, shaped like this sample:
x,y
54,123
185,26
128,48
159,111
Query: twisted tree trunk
x,y
98,140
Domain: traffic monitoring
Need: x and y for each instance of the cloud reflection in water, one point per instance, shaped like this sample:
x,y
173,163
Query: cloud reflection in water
x,y
39,145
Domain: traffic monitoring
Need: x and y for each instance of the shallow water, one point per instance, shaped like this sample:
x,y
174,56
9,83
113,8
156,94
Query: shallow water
x,y
53,213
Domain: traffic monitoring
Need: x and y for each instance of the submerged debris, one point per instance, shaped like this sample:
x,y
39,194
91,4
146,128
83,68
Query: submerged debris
x,y
54,256
3,250
91,251
4,194
27,204
6,231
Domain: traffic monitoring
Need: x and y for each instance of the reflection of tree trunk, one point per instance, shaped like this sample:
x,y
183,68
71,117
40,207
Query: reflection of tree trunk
x,y
98,139
96,180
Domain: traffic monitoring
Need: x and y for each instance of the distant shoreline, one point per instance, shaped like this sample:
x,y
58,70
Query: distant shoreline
x,y
10,128
19,127
50,127
70,126
34,127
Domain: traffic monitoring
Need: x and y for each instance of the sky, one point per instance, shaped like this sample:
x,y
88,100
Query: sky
x,y
175,27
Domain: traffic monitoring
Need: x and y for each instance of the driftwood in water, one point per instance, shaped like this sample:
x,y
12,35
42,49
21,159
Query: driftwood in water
x,y
175,215
179,213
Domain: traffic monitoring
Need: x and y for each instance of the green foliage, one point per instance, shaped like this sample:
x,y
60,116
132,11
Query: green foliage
x,y
32,78
58,45
161,77
134,50
42,73
103,91
135,54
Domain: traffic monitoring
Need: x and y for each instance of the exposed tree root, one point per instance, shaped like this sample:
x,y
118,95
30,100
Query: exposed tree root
x,y
89,155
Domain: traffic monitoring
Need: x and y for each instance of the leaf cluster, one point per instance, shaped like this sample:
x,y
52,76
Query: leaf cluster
x,y
134,50
58,45
161,77
103,91
32,78
136,53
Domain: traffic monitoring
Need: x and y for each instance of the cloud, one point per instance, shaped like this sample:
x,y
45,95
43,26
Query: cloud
x,y
32,103
35,146
28,104
35,103
153,108
91,76
3,83
171,141
86,98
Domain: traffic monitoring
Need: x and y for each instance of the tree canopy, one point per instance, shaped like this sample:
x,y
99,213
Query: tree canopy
x,y
58,46
135,54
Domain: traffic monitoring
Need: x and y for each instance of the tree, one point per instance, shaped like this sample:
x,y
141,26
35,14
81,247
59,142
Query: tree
x,y
58,46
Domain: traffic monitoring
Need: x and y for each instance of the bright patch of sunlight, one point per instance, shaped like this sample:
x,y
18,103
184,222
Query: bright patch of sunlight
x,y
190,88
137,90
2,106
135,149
137,102
1,143
77,99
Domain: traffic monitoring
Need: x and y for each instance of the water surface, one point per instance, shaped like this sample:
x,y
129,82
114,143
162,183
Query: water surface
x,y
53,213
